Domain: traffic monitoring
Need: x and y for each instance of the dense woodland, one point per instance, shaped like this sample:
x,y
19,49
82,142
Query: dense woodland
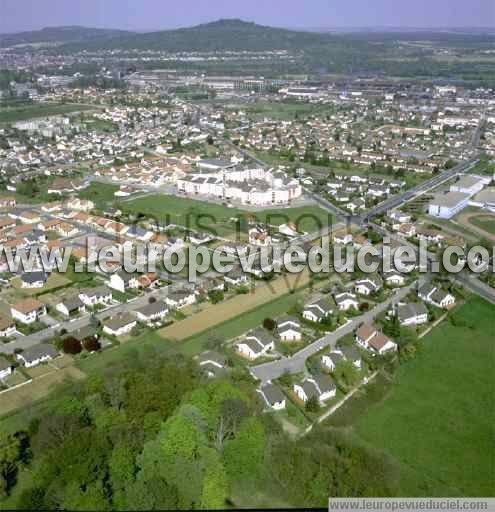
x,y
152,433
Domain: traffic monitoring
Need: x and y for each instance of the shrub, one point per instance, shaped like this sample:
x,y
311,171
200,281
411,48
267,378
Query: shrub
x,y
269,324
71,345
92,344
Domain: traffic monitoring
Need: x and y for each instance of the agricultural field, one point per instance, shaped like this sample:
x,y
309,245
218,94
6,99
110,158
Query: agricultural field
x,y
441,399
240,304
237,325
14,114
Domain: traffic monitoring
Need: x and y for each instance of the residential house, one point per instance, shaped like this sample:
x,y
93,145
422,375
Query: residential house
x,y
272,396
236,277
33,356
71,306
152,312
352,355
123,281
412,314
393,278
368,285
36,279
28,311
346,301
7,327
5,368
180,298
317,311
374,340
96,296
289,328
332,359
212,363
320,386
435,295
119,325
256,344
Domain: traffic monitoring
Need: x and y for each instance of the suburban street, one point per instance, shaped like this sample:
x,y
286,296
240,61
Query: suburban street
x,y
296,364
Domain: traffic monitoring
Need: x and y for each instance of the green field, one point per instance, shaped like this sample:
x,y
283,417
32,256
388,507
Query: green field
x,y
485,222
201,215
14,114
102,194
437,420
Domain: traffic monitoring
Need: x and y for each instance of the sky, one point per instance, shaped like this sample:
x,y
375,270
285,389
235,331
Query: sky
x,y
143,15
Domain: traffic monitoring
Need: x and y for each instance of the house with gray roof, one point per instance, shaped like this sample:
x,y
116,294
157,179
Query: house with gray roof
x,y
212,363
33,356
320,386
434,295
119,325
5,368
256,344
272,396
317,311
152,312
289,328
71,306
412,314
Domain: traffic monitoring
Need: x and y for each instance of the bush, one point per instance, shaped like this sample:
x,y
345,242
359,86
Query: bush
x,y
92,344
71,345
269,324
312,405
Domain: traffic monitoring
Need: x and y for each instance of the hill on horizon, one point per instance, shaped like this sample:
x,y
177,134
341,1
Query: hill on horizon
x,y
65,34
224,34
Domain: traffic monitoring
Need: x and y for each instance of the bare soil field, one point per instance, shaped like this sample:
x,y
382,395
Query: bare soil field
x,y
207,318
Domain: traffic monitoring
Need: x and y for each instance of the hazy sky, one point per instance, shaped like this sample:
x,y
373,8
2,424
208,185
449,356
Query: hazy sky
x,y
18,15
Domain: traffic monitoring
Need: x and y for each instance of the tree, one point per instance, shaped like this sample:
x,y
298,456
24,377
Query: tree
x,y
216,296
232,411
71,345
10,451
92,344
312,404
269,324
215,484
243,456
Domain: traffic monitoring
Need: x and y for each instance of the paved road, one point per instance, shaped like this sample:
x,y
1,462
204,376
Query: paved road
x,y
435,181
475,285
296,363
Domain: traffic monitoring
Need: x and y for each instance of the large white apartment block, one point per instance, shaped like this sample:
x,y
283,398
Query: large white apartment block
x,y
255,186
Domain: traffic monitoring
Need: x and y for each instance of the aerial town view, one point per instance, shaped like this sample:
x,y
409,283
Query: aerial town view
x,y
246,255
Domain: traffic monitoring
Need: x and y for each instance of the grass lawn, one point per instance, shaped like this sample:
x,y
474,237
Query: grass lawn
x,y
94,363
100,193
11,115
438,418
485,222
45,380
200,215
